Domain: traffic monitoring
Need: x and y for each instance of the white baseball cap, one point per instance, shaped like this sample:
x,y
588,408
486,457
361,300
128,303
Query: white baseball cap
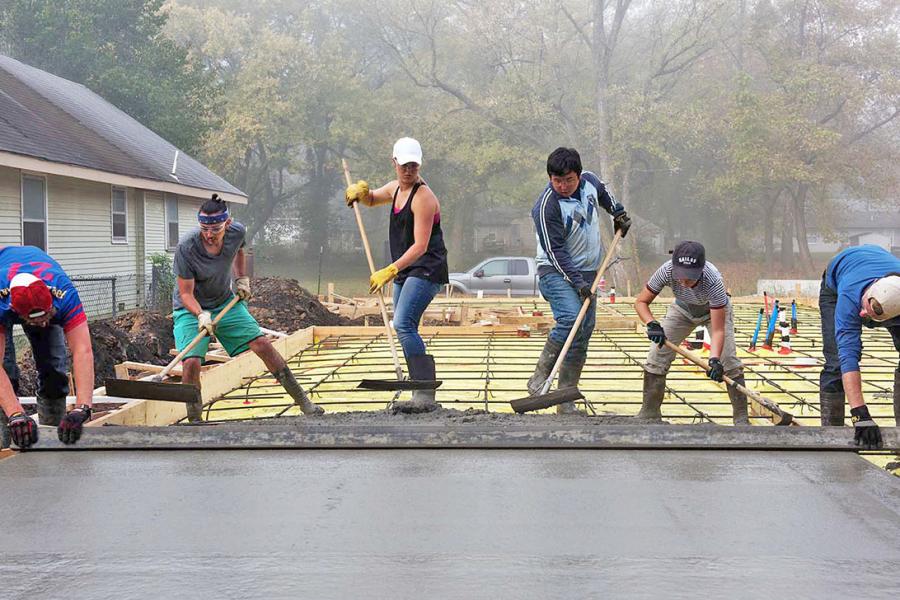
x,y
407,150
883,297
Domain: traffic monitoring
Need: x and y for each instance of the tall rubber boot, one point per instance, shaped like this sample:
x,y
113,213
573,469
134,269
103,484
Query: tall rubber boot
x,y
50,410
295,391
544,365
738,401
421,368
569,376
194,412
832,408
654,389
897,397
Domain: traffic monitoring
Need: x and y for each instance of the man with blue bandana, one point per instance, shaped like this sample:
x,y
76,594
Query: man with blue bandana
x,y
567,222
204,262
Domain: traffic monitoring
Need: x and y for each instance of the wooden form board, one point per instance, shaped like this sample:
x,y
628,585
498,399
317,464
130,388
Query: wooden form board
x,y
214,382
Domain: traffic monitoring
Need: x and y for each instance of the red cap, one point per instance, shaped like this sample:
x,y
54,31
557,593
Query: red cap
x,y
29,296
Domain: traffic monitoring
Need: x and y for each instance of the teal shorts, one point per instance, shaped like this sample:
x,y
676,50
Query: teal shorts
x,y
235,331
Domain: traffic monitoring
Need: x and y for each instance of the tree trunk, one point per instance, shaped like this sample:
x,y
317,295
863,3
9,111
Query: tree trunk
x,y
787,236
799,210
769,225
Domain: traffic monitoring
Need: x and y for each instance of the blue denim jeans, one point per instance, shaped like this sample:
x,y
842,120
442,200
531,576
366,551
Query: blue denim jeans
x,y
411,298
48,345
830,377
565,303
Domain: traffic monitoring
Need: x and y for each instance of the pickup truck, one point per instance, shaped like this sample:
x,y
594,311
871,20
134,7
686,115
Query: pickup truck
x,y
498,276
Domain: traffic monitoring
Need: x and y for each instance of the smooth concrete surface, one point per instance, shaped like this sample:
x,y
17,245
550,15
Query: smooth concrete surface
x,y
448,524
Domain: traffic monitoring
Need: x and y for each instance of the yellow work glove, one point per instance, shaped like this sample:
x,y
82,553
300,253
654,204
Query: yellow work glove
x,y
381,278
205,323
357,192
242,288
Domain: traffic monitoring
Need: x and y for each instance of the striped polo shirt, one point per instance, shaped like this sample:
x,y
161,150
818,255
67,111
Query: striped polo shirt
x,y
709,291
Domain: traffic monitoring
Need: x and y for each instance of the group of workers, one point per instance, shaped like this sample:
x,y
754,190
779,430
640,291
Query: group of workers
x,y
860,286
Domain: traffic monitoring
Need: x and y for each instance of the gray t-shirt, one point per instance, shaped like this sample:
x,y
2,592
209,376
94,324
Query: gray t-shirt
x,y
211,274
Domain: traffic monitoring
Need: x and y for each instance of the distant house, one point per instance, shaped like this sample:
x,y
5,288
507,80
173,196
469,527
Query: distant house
x,y
505,230
861,224
90,185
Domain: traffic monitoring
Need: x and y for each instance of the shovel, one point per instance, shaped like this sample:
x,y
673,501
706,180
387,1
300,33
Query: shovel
x,y
772,410
546,399
152,386
375,384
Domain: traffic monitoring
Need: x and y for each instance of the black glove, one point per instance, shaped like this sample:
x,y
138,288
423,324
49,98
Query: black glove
x,y
865,431
584,292
69,430
716,370
621,221
656,333
23,430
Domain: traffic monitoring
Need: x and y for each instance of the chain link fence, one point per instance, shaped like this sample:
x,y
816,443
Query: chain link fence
x,y
98,295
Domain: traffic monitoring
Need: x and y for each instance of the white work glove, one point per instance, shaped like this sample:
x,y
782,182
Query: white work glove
x,y
205,323
242,287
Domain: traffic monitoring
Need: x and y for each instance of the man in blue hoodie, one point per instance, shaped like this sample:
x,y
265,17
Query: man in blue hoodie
x,y
860,286
567,222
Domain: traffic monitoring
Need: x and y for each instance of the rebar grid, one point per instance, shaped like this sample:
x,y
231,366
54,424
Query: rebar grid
x,y
486,371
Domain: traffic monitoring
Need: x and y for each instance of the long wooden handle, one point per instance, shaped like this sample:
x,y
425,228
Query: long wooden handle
x,y
779,416
581,313
178,357
380,294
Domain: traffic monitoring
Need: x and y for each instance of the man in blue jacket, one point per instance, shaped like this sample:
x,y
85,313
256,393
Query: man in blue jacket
x,y
860,286
567,222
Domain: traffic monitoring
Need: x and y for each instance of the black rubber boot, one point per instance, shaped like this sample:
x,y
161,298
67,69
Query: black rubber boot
x,y
738,400
831,405
569,376
421,368
194,412
897,397
654,388
4,431
51,410
544,365
295,391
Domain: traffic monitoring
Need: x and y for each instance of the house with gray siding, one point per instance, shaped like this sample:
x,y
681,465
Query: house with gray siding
x,y
91,186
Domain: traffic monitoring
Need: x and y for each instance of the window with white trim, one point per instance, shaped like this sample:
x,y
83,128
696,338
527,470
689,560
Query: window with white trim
x,y
119,216
171,221
34,211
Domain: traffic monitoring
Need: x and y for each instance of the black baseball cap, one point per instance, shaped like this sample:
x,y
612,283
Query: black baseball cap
x,y
688,260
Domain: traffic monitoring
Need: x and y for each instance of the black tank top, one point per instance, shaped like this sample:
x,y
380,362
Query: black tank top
x,y
432,265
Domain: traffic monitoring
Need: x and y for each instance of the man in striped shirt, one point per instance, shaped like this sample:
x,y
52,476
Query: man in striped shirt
x,y
567,223
700,299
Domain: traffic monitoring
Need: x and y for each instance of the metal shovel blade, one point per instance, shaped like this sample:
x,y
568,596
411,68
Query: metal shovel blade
x,y
390,385
153,390
539,401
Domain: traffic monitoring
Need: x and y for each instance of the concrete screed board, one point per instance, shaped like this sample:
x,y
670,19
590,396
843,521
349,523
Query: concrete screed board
x,y
448,524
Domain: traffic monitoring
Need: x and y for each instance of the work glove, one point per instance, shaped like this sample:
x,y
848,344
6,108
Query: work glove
x,y
242,287
621,221
656,333
716,370
69,430
584,292
22,430
866,433
205,323
357,192
381,278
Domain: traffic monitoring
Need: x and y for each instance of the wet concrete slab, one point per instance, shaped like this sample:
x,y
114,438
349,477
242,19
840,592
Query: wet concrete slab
x,y
447,524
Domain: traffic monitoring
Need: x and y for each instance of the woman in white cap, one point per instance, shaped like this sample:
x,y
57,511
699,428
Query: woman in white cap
x,y
419,266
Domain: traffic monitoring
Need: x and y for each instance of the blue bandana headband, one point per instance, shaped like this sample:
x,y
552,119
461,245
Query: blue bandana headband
x,y
212,219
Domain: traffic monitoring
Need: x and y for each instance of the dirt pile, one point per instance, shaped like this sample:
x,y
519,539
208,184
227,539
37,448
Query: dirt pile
x,y
140,336
285,305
